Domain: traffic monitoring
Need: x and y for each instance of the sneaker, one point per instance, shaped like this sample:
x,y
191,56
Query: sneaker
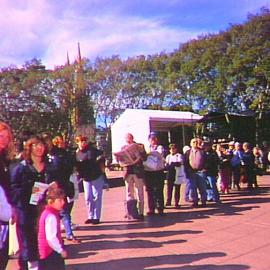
x,y
203,204
161,213
195,205
140,217
74,226
177,206
95,221
73,239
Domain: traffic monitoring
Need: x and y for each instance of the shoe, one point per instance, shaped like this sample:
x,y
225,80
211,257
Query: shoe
x,y
74,226
88,221
177,206
203,204
150,213
95,221
161,213
140,217
195,205
73,240
168,204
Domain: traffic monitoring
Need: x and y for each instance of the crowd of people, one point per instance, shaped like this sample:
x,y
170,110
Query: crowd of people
x,y
206,170
39,181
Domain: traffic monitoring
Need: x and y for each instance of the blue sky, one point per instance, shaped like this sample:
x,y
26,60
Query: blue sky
x,y
48,29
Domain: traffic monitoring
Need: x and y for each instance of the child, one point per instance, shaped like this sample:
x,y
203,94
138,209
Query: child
x,y
50,243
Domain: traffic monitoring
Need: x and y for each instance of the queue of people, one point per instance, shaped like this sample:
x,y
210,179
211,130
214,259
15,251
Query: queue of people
x,y
37,185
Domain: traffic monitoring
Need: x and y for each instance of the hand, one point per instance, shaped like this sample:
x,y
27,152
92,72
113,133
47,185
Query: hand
x,y
14,216
64,254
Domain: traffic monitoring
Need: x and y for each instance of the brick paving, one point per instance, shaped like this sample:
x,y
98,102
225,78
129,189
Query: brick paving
x,y
232,236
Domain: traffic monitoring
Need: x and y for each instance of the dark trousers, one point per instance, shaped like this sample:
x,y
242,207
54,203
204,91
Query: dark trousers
x,y
27,237
170,186
236,176
52,262
154,183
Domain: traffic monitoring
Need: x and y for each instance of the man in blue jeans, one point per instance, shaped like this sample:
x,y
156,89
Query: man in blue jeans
x,y
195,170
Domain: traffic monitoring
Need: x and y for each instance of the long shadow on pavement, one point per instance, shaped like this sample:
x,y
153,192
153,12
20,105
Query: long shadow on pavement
x,y
183,262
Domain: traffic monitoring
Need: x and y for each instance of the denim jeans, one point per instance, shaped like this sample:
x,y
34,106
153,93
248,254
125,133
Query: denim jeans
x,y
93,196
214,191
198,181
66,218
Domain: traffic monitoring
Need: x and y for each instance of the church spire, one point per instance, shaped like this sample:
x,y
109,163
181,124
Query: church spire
x,y
68,62
79,59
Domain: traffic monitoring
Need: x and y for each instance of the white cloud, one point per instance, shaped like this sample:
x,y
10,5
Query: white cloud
x,y
108,35
48,29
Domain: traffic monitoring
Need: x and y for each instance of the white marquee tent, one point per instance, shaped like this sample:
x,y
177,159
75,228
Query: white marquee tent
x,y
141,122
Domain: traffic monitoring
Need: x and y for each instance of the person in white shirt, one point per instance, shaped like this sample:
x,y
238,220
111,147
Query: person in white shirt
x,y
174,159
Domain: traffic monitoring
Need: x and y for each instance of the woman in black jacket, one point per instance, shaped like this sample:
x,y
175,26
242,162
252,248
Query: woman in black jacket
x,y
33,169
89,162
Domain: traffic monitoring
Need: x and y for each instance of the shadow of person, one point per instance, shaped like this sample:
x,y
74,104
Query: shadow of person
x,y
164,262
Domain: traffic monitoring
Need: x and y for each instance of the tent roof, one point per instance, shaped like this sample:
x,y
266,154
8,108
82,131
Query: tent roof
x,y
160,120
225,117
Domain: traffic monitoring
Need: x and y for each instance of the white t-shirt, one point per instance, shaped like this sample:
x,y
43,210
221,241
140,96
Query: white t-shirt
x,y
174,158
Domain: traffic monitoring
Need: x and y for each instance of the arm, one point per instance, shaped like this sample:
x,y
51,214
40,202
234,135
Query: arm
x,y
6,211
21,183
51,235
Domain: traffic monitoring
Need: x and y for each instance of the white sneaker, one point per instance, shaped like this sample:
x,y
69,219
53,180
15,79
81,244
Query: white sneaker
x,y
74,226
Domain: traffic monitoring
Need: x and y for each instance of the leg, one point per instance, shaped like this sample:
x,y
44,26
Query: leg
x,y
66,219
187,191
201,182
193,188
159,191
149,182
177,195
88,198
169,191
129,183
4,249
213,184
28,253
97,191
139,194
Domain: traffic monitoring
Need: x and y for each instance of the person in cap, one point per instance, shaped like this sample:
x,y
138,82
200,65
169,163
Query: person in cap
x,y
154,176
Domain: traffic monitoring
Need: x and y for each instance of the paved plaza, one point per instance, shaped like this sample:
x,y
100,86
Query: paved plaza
x,y
232,236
